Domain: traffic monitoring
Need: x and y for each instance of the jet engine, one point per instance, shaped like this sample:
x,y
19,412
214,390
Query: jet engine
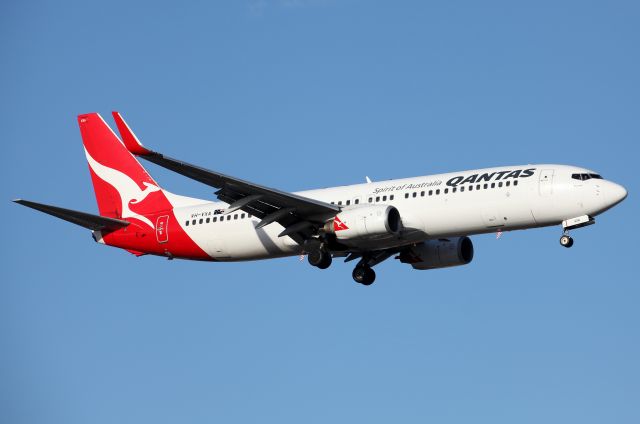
x,y
370,222
441,253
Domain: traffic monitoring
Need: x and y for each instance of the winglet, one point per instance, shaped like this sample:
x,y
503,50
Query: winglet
x,y
130,140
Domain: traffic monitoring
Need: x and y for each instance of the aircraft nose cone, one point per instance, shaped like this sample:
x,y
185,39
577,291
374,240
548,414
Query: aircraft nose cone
x,y
616,193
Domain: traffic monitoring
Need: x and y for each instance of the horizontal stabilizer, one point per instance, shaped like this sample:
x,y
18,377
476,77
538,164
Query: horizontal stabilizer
x,y
86,220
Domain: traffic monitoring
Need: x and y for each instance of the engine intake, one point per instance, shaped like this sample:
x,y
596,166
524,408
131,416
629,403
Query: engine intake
x,y
442,253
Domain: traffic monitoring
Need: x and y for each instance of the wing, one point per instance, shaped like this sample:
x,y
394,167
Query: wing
x,y
300,216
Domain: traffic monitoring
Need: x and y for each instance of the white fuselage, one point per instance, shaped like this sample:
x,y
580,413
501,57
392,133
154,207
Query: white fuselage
x,y
432,206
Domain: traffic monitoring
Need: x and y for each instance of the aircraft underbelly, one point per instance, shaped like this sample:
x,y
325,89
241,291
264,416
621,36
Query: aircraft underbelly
x,y
243,242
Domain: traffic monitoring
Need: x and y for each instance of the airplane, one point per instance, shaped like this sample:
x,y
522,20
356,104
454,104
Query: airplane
x,y
423,221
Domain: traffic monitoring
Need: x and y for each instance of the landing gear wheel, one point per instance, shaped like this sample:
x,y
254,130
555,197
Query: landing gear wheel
x,y
364,275
319,258
566,241
326,261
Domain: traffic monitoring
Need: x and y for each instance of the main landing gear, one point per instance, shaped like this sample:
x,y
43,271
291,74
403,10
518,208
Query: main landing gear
x,y
364,275
320,258
319,255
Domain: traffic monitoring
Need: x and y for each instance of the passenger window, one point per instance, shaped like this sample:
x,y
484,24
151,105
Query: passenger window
x,y
453,190
235,216
384,198
228,217
377,199
193,222
356,201
500,184
242,216
391,197
493,185
478,187
339,202
406,195
370,199
422,194
515,182
215,219
415,194
508,183
486,186
470,188
186,223
461,189
430,192
446,191
348,202
208,220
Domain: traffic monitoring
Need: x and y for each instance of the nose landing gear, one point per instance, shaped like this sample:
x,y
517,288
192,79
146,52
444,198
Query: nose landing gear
x,y
572,224
566,240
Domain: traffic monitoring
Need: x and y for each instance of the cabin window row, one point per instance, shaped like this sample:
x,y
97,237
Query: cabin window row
x,y
216,219
346,203
462,189
357,201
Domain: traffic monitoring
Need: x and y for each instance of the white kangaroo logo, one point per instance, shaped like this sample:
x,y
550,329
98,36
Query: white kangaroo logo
x,y
129,191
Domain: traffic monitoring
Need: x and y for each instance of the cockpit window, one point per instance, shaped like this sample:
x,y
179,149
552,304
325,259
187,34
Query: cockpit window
x,y
584,177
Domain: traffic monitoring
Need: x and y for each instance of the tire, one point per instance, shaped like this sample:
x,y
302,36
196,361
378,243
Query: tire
x,y
364,275
371,277
359,274
315,257
566,241
326,261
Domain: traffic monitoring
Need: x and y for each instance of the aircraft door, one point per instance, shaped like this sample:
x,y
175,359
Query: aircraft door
x,y
546,182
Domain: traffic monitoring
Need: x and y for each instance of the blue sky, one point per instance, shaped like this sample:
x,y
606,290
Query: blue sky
x,y
303,94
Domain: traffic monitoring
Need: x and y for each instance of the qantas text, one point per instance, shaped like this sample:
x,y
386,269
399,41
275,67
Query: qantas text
x,y
490,176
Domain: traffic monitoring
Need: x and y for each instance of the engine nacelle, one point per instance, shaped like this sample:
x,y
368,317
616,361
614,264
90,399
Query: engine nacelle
x,y
440,253
369,222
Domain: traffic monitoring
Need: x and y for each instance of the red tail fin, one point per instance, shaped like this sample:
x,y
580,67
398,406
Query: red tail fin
x,y
123,187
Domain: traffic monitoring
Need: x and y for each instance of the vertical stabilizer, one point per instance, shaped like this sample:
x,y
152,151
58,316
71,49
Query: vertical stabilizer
x,y
122,186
